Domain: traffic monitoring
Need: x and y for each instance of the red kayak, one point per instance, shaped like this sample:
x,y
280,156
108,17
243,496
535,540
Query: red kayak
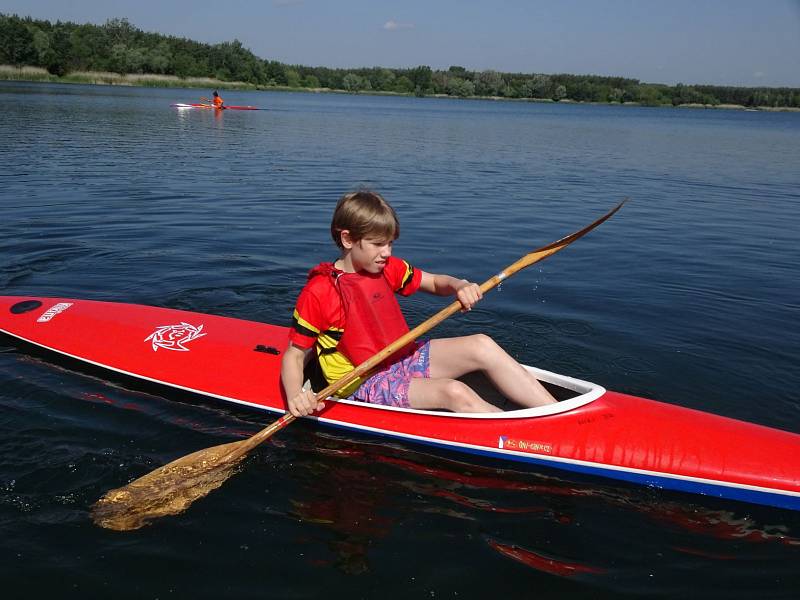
x,y
207,106
590,430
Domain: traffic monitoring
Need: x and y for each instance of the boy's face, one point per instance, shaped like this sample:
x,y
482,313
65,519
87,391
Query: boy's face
x,y
370,254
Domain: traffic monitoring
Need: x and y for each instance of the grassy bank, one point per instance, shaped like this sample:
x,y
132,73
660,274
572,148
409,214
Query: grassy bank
x,y
11,73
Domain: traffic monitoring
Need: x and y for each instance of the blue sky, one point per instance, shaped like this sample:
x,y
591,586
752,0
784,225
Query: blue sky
x,y
722,42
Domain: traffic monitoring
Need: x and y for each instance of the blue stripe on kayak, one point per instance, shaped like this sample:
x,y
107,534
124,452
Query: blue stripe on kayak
x,y
669,483
654,481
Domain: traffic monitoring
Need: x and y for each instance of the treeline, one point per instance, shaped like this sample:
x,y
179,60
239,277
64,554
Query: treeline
x,y
118,46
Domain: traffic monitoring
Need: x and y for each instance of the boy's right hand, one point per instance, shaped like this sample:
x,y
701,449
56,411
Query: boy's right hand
x,y
305,403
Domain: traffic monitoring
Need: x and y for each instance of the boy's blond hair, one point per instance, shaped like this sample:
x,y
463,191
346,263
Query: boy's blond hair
x,y
364,213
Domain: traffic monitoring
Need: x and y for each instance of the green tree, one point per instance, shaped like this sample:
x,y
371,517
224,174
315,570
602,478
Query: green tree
x,y
542,86
159,59
615,95
527,89
41,46
182,64
89,48
650,95
120,31
59,44
292,78
403,85
352,82
16,42
274,73
119,58
311,81
460,87
384,80
421,79
490,83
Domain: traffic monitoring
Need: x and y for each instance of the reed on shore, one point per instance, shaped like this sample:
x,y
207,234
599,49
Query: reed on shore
x,y
26,73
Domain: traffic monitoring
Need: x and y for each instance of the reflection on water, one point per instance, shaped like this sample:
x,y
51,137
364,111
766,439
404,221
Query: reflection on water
x,y
360,496
553,566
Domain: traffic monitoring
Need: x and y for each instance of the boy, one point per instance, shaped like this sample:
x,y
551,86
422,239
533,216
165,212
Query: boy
x,y
347,312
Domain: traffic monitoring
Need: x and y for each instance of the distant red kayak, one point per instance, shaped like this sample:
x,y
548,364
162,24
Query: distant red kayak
x,y
226,107
590,430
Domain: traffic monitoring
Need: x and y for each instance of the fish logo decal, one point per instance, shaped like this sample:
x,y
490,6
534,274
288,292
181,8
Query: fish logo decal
x,y
174,337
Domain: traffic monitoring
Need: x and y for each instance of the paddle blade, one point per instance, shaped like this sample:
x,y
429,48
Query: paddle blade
x,y
169,490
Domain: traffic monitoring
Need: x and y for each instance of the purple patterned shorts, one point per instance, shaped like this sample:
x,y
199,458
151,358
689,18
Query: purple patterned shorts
x,y
390,386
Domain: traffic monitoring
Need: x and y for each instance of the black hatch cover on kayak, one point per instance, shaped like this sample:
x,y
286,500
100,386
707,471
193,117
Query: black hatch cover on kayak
x,y
25,306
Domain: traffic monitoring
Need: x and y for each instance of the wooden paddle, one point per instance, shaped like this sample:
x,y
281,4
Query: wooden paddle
x,y
172,488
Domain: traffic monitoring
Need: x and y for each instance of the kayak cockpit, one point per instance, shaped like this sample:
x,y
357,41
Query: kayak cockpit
x,y
570,393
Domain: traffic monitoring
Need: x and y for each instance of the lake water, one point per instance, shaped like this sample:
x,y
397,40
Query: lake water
x,y
688,295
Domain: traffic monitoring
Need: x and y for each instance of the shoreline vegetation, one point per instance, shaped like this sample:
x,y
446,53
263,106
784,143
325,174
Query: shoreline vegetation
x,y
38,74
117,53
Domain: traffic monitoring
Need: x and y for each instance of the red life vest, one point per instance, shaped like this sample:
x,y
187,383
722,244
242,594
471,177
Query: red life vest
x,y
373,318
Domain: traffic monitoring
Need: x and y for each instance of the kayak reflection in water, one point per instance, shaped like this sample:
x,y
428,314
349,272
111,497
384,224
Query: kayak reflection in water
x,y
347,312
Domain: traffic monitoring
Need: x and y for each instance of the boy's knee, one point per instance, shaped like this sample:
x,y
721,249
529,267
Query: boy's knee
x,y
483,347
459,397
482,341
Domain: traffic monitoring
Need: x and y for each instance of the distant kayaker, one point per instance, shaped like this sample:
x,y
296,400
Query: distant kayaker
x,y
217,100
348,311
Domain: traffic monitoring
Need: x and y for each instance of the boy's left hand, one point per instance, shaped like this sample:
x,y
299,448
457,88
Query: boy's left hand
x,y
468,294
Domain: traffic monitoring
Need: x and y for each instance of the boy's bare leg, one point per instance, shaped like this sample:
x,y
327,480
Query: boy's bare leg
x,y
449,394
453,357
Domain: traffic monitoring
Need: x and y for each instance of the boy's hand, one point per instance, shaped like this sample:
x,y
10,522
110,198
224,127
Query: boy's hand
x,y
305,403
468,294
